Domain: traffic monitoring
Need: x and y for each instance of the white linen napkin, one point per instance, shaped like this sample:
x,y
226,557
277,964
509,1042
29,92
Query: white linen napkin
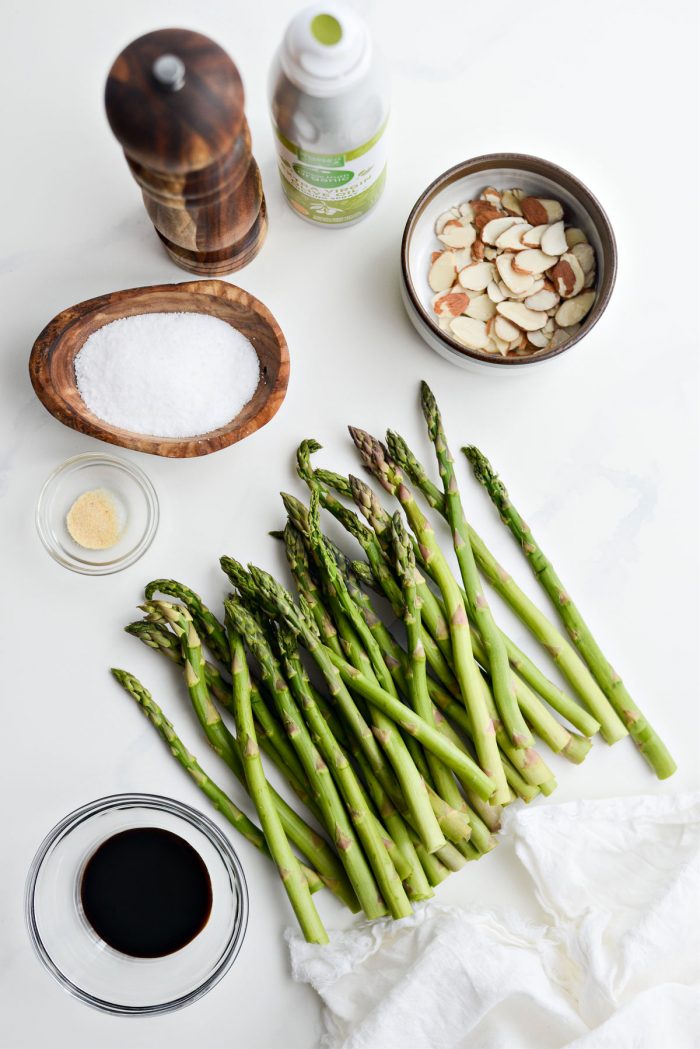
x,y
617,966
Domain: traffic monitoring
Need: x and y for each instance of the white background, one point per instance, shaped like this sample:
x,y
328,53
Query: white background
x,y
599,449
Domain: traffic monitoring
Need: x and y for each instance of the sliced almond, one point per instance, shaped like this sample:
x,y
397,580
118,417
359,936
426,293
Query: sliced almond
x,y
544,299
553,239
442,272
490,253
450,303
442,220
477,250
476,277
494,292
493,229
574,235
538,339
537,285
516,282
586,257
532,260
573,310
505,330
484,214
540,211
512,239
567,276
533,237
466,210
463,257
490,346
444,323
549,327
501,344
458,233
511,202
518,313
469,332
480,308
492,196
558,339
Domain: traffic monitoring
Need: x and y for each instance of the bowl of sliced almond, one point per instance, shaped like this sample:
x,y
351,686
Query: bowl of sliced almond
x,y
507,260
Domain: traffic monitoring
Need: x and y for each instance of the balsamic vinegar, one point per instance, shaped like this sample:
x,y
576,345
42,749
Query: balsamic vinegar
x,y
146,892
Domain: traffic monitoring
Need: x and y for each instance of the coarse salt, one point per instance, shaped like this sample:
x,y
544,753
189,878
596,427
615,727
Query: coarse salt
x,y
167,374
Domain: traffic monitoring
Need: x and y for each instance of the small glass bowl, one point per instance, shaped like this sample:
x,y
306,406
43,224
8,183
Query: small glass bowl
x,y
137,505
86,966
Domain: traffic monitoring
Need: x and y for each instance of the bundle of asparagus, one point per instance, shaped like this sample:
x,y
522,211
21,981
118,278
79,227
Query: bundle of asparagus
x,y
409,746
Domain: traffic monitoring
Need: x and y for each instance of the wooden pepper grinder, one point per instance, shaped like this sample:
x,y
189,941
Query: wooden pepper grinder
x,y
174,101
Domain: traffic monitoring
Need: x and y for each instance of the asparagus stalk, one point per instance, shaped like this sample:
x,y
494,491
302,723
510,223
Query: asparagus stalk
x,y
341,674
376,458
563,654
412,785
287,864
334,815
387,878
496,656
206,623
221,801
416,676
272,740
310,843
299,565
649,743
409,869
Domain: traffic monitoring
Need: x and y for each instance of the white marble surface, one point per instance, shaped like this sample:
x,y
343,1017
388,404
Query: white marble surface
x,y
600,448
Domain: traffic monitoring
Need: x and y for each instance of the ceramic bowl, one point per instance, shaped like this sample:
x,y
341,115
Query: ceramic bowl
x,y
466,181
52,370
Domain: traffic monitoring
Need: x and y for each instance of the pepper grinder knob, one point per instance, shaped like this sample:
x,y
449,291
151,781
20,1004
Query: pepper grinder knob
x,y
169,71
175,103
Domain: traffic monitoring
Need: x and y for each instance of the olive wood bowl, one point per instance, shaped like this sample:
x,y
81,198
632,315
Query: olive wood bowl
x,y
53,374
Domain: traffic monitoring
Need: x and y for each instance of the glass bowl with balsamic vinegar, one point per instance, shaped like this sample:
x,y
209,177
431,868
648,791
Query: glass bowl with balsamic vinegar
x,y
137,904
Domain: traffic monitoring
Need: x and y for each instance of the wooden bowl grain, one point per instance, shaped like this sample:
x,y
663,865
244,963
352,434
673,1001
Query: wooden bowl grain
x,y
52,370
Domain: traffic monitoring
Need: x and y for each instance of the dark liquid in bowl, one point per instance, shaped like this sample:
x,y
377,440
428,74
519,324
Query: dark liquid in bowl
x,y
146,892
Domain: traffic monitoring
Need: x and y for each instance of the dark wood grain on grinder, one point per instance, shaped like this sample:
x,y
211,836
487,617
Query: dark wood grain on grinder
x,y
189,150
52,370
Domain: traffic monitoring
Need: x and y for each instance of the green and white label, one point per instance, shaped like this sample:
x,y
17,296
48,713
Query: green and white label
x,y
333,188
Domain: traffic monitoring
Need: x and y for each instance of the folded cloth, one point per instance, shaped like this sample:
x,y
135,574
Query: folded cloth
x,y
617,966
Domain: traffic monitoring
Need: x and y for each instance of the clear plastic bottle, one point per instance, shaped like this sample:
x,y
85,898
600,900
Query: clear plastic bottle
x,y
329,99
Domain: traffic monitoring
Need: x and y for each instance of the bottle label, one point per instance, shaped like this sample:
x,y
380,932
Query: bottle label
x,y
333,188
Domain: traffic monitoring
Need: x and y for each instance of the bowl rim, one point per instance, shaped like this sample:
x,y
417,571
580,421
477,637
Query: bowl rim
x,y
535,165
148,491
171,447
196,819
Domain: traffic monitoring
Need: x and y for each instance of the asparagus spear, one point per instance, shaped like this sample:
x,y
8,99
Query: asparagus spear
x,y
334,816
272,740
206,623
299,565
554,642
313,846
377,459
387,878
416,676
525,764
339,671
177,748
287,864
412,785
495,650
649,743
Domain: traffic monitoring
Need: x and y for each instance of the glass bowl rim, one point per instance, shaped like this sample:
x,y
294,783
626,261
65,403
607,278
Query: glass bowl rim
x,y
147,489
196,819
